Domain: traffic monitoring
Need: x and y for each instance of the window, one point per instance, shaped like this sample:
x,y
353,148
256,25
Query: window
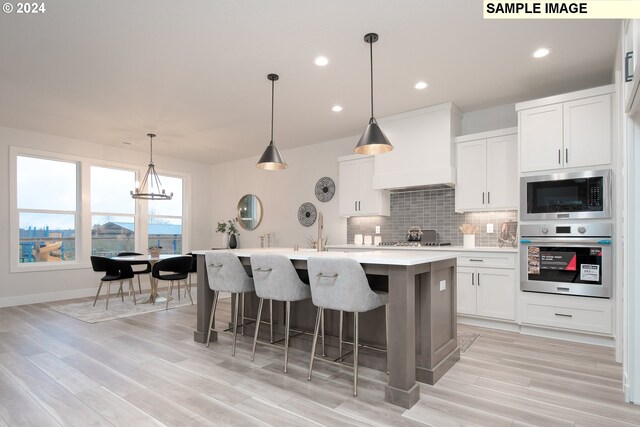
x,y
46,201
112,211
165,218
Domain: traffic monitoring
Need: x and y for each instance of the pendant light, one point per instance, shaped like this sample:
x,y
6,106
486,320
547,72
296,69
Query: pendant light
x,y
151,181
271,158
372,140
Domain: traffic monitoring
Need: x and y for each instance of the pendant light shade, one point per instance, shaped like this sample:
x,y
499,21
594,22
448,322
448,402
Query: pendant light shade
x,y
372,140
271,158
151,188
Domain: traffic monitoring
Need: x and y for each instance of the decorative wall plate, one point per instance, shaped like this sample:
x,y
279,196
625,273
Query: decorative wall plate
x,y
307,214
325,189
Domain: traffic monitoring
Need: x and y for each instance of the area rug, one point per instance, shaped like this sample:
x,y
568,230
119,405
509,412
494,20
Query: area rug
x,y
85,311
466,340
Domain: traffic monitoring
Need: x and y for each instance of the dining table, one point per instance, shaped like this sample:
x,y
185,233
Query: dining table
x,y
154,297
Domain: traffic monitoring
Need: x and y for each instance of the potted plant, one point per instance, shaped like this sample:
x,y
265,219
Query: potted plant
x,y
154,251
230,231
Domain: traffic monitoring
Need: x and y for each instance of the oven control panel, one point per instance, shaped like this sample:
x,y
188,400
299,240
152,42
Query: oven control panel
x,y
600,229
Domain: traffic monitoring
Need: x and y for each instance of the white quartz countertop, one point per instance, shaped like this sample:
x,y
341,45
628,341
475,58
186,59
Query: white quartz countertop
x,y
374,256
423,248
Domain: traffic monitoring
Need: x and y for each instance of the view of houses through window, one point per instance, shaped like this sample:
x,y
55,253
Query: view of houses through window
x,y
48,213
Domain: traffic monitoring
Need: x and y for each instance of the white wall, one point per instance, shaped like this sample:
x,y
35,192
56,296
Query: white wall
x,y
282,193
29,287
500,117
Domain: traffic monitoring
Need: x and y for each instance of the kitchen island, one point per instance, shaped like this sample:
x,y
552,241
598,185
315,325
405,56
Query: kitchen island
x,y
422,311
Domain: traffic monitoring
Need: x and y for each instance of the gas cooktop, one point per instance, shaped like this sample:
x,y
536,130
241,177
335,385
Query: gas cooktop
x,y
413,244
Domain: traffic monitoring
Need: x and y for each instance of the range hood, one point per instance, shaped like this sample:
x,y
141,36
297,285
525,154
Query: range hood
x,y
423,154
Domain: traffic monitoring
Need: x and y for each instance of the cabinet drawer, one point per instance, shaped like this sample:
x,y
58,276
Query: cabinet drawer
x,y
587,319
507,260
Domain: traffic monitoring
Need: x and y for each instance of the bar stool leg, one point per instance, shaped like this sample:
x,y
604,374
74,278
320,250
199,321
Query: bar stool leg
x,y
314,342
255,335
271,320
235,325
322,327
213,313
97,293
340,334
355,354
286,334
242,315
386,334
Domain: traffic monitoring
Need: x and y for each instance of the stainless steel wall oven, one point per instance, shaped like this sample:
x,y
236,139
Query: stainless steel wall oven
x,y
572,259
576,195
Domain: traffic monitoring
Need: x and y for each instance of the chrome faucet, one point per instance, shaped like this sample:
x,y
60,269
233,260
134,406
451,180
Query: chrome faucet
x,y
319,244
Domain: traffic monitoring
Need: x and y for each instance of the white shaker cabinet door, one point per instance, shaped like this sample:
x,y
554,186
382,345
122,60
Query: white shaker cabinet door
x,y
368,198
471,175
466,290
502,172
541,138
496,293
348,188
587,132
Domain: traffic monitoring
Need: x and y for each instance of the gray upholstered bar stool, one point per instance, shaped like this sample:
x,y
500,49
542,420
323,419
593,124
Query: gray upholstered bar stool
x,y
226,274
276,279
341,284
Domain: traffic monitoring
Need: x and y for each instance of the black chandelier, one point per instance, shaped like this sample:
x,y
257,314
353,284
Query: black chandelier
x,y
151,188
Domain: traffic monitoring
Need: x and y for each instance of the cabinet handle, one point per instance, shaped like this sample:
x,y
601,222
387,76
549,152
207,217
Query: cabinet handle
x,y
566,155
628,61
476,260
355,206
478,279
483,197
488,197
564,315
359,207
473,279
559,160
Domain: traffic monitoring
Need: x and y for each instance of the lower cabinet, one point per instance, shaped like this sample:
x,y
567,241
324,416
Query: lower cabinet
x,y
487,292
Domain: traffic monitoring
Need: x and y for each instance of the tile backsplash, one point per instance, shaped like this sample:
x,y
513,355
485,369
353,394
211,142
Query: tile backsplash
x,y
431,209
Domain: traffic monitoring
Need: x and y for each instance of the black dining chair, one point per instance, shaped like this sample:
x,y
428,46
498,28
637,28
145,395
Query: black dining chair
x,y
115,271
173,269
138,271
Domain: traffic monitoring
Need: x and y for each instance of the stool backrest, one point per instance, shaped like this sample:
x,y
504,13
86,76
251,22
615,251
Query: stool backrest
x,y
275,278
226,273
340,284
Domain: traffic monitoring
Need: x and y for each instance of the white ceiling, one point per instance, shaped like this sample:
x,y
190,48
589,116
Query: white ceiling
x,y
195,72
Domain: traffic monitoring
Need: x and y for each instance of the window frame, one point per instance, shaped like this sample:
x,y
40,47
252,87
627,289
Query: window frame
x,y
83,211
183,217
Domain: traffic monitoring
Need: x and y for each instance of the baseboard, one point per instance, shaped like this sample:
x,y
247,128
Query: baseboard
x,y
46,297
567,336
489,323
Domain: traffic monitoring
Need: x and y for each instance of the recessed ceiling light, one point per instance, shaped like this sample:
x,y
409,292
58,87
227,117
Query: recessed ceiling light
x,y
336,108
321,61
421,85
541,53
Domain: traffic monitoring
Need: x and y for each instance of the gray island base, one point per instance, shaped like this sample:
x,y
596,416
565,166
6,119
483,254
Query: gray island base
x,y
422,315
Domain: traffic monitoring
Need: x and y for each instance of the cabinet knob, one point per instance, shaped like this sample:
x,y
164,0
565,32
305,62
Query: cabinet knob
x,y
544,230
582,230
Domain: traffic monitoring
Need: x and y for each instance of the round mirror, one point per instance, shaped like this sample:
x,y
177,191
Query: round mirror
x,y
249,212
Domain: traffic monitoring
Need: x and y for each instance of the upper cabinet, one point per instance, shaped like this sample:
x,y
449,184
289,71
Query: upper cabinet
x,y
487,171
573,130
631,66
356,195
423,148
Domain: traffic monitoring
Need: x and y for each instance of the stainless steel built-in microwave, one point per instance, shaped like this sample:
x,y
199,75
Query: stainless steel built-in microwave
x,y
575,195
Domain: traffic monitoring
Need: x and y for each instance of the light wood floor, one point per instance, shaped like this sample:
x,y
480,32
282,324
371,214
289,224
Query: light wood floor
x,y
147,370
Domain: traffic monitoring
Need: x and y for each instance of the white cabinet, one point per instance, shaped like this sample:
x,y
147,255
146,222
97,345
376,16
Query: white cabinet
x,y
566,131
487,291
356,195
487,171
565,312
